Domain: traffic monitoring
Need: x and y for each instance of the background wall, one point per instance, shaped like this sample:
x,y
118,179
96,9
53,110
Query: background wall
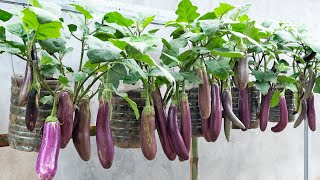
x,y
250,156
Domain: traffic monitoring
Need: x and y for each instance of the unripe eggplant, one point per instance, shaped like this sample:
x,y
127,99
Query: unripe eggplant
x,y
204,97
47,160
23,96
65,116
205,123
244,109
81,130
303,114
174,133
227,107
227,127
186,129
242,73
32,109
283,115
147,134
264,110
311,113
105,144
161,123
216,113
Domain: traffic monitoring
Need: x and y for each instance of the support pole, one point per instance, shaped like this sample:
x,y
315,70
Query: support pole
x,y
194,159
307,153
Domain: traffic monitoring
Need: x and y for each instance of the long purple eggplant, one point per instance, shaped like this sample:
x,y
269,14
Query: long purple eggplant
x,y
216,113
81,129
186,129
204,97
227,107
147,134
174,133
303,114
47,160
310,85
283,115
205,123
65,116
105,144
265,109
227,127
161,123
32,109
23,95
244,108
242,73
311,113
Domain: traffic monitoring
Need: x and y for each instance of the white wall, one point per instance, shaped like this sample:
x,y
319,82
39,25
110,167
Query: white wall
x,y
251,155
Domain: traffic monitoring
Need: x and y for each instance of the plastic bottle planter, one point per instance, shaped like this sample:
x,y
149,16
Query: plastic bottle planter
x,y
275,112
254,104
18,135
125,127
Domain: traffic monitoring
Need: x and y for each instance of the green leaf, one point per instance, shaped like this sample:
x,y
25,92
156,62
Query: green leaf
x,y
6,47
72,27
240,35
79,76
291,87
63,80
219,68
192,77
208,15
30,19
35,3
2,33
285,36
267,76
116,17
83,10
117,72
223,9
316,88
133,66
286,79
132,78
53,45
43,16
187,12
5,16
49,30
46,100
147,21
131,103
275,99
227,53
209,27
16,29
263,87
136,54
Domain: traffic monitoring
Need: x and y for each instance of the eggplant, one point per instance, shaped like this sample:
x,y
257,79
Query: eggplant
x,y
32,109
310,85
174,133
81,129
204,97
161,123
186,129
227,127
205,123
303,114
65,116
242,73
265,109
23,95
227,107
244,108
46,166
105,144
311,113
283,115
309,56
215,121
147,134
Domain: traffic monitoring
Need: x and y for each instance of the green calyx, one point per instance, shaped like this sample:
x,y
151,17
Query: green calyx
x,y
148,110
52,118
184,97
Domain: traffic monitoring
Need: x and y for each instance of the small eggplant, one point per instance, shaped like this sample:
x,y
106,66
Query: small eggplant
x,y
310,85
311,113
244,109
227,128
242,73
204,97
147,134
216,113
265,109
283,115
227,107
23,95
186,130
309,56
32,109
303,114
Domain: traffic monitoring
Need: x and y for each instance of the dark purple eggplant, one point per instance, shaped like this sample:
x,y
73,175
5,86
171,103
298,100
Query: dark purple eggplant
x,y
23,95
65,116
216,113
46,166
303,114
311,113
227,127
186,129
227,107
309,56
81,130
244,108
204,97
242,73
205,123
174,134
147,135
264,110
105,144
161,123
32,109
283,115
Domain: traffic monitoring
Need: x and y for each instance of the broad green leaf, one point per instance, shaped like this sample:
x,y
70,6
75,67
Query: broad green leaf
x,y
79,76
5,16
227,53
178,43
263,87
267,76
187,12
30,19
147,21
132,78
209,27
117,72
133,66
47,100
192,77
63,81
223,9
16,29
316,88
286,79
219,68
121,44
116,17
240,35
275,99
208,15
5,47
137,55
131,103
43,16
104,36
83,10
89,68
35,3
49,30
172,58
53,45
177,76
285,36
291,87
72,27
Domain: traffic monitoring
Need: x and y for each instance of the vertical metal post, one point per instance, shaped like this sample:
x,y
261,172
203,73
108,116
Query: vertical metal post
x,y
307,153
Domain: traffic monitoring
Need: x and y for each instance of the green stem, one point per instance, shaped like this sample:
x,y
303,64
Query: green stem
x,y
194,159
54,108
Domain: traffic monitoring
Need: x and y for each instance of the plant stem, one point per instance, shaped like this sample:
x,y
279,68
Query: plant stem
x,y
54,107
44,84
194,159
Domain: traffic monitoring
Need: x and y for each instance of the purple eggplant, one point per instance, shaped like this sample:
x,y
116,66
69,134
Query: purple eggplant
x,y
186,129
174,134
65,116
204,97
147,134
216,113
205,129
32,109
311,113
161,122
310,85
242,73
46,166
264,110
303,114
23,95
227,127
244,109
227,107
105,144
283,115
309,56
